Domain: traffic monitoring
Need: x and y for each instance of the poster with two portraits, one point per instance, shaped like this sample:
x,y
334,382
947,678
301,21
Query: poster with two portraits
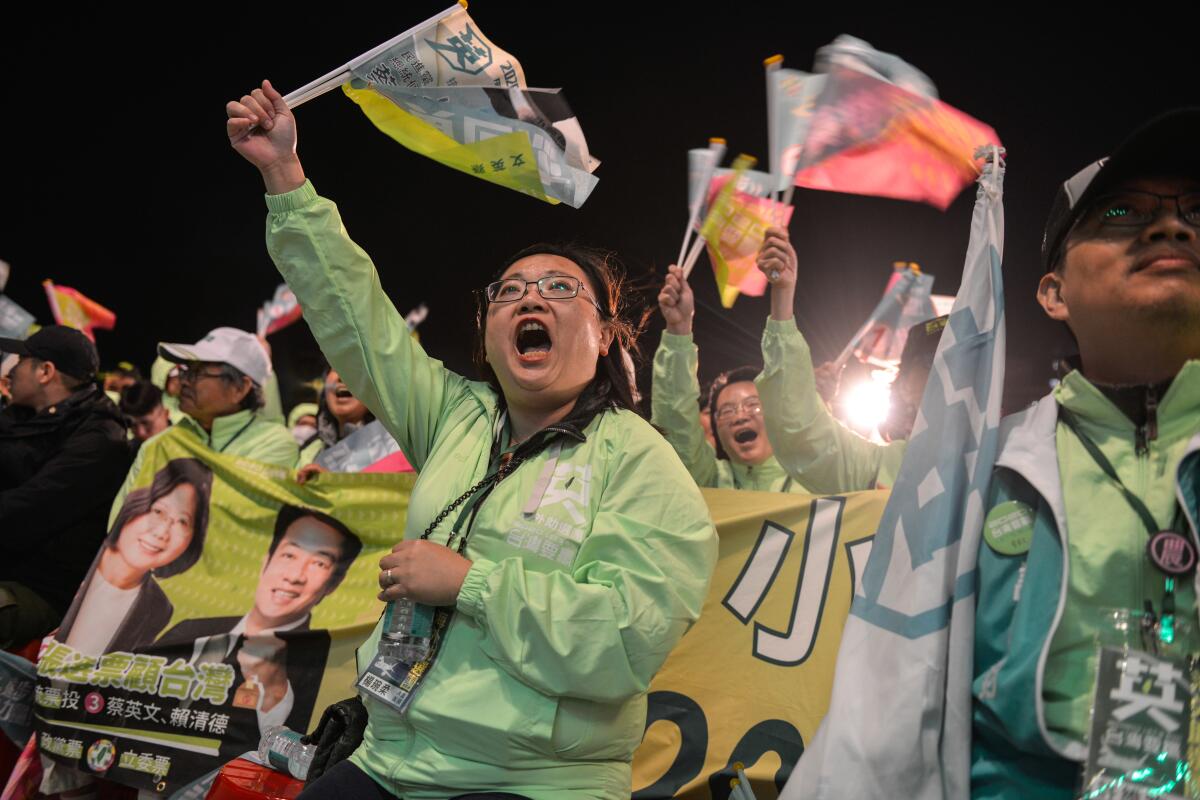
x,y
226,599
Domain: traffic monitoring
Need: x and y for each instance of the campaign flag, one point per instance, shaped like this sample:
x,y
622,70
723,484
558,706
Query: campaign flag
x,y
369,449
76,310
734,228
750,682
5,269
444,90
795,96
908,642
164,668
877,128
15,321
906,301
278,312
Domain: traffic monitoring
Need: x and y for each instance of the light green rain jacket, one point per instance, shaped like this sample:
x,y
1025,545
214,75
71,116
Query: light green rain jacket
x,y
589,561
812,446
674,407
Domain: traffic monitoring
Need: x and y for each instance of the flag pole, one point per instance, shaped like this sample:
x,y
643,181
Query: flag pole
x,y
716,146
771,66
335,78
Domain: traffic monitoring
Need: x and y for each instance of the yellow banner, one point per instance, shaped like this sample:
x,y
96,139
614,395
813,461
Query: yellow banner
x,y
751,681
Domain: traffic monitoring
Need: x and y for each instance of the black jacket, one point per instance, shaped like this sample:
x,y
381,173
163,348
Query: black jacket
x,y
59,472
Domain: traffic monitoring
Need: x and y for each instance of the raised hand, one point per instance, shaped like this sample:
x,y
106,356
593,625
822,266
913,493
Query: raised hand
x,y
677,303
262,129
777,260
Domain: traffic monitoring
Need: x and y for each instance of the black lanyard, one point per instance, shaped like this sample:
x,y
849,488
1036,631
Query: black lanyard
x,y
236,435
1167,622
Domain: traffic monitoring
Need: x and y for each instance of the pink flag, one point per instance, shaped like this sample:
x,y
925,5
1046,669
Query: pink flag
x,y
869,136
76,310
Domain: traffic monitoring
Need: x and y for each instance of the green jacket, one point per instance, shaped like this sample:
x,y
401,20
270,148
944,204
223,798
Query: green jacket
x,y
244,434
590,560
674,399
1032,606
812,446
158,376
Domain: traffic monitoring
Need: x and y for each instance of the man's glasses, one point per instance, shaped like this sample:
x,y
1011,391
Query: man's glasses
x,y
751,406
551,287
1131,208
190,373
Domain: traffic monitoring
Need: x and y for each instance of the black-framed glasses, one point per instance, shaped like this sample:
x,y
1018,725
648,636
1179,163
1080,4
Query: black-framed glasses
x,y
751,406
551,287
190,373
1131,208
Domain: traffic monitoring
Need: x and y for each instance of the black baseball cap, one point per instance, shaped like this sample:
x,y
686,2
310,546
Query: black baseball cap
x,y
1166,145
71,352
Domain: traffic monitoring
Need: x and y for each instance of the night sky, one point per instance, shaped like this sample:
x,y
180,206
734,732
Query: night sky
x,y
118,179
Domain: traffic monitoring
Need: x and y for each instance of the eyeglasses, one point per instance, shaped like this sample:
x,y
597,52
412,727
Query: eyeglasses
x,y
1131,208
551,287
727,412
190,373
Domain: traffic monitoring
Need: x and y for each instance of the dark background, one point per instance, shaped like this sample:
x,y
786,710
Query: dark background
x,y
118,180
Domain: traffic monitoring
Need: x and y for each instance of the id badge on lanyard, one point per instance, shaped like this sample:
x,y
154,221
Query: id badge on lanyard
x,y
395,681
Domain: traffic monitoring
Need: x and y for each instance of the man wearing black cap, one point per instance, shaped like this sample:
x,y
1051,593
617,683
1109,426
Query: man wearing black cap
x,y
63,454
1090,534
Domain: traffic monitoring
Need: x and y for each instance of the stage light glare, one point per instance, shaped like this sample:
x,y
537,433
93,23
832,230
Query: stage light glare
x,y
867,404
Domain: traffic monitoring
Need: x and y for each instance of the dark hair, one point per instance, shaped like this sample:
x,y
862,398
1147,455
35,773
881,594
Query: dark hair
x,y
138,502
612,387
351,544
735,375
254,399
139,399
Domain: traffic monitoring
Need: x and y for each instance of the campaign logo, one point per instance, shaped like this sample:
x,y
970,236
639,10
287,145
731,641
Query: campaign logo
x,y
101,755
465,51
93,703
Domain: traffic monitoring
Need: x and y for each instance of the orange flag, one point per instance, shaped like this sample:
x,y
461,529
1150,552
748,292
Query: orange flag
x,y
76,310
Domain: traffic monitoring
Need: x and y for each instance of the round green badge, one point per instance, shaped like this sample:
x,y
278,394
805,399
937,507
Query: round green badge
x,y
1008,528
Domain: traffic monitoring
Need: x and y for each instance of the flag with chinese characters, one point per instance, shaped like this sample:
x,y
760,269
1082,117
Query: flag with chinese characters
x,y
734,228
278,312
448,93
878,128
175,661
908,642
76,310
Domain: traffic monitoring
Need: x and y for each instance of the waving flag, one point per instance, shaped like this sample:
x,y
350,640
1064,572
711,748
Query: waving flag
x,y
444,90
877,128
278,312
734,229
908,642
76,310
906,301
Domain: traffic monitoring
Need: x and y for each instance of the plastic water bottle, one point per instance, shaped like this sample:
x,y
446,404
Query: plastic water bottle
x,y
281,749
407,628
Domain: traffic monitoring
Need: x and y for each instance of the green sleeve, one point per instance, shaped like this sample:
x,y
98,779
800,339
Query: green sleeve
x,y
359,330
600,631
812,446
674,399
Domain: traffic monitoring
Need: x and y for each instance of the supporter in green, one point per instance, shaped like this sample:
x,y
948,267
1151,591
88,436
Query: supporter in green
x,y
742,457
339,414
221,400
1098,469
578,550
812,446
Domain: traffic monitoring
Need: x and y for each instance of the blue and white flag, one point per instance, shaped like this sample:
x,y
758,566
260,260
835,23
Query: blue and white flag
x,y
899,720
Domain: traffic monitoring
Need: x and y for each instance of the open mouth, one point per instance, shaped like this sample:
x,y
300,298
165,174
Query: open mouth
x,y
342,393
150,547
745,435
533,340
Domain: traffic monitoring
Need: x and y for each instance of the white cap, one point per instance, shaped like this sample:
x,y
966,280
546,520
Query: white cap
x,y
224,346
